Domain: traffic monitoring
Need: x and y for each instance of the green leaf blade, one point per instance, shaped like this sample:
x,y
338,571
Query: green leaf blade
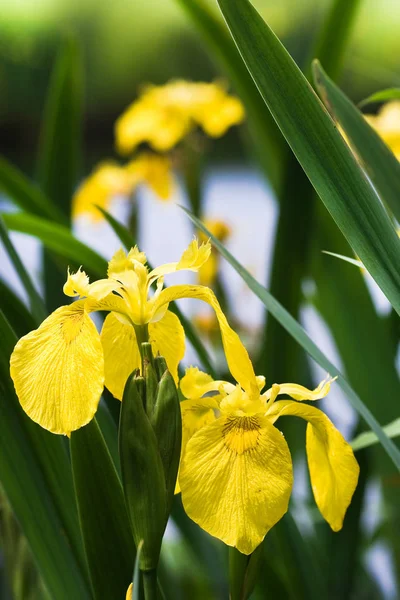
x,y
104,521
36,477
320,149
382,166
59,147
59,239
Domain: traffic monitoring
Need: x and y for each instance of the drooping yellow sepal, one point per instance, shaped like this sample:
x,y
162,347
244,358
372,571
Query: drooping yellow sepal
x,y
236,479
58,370
331,461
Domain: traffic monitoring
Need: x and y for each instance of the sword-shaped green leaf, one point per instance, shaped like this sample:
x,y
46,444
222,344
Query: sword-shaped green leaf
x,y
380,163
318,146
102,513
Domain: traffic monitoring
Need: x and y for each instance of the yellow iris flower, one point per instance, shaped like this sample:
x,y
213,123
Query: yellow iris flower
x,y
59,369
236,469
387,124
110,179
209,271
164,115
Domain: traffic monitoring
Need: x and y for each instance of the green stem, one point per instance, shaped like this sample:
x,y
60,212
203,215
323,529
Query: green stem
x,y
192,176
142,336
150,585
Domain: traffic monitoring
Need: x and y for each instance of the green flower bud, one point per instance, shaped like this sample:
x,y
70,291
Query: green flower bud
x,y
142,475
150,444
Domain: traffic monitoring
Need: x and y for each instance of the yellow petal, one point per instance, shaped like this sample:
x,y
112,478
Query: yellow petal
x,y
192,259
236,479
195,415
194,256
333,467
129,592
77,284
121,354
107,180
299,392
196,383
156,171
121,261
58,370
236,354
167,338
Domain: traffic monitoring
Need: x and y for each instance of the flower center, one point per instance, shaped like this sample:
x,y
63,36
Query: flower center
x,y
241,433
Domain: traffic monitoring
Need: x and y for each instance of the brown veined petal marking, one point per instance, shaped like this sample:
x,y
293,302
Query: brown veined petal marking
x,y
236,479
58,370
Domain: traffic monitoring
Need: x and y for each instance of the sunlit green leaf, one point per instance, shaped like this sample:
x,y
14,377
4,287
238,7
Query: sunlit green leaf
x,y
378,160
58,239
321,150
368,438
381,96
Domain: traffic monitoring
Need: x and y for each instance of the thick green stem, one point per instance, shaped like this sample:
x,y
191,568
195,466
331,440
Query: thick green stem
x,y
150,585
142,336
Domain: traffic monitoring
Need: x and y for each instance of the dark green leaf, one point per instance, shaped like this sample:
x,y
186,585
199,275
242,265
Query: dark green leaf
x,y
36,476
299,334
59,148
334,34
15,311
25,194
378,160
102,513
59,239
36,303
318,146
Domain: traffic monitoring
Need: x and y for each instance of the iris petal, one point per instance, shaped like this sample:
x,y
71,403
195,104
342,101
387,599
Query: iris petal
x,y
236,479
121,354
333,467
236,354
58,370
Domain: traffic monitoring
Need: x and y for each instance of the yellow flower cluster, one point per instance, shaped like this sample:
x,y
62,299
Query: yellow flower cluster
x,y
164,115
161,117
236,472
387,124
110,179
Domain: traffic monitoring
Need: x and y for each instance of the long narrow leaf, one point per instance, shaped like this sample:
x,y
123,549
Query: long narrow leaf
x,y
300,335
58,239
320,149
369,438
59,148
378,160
26,194
36,303
381,96
104,521
36,476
